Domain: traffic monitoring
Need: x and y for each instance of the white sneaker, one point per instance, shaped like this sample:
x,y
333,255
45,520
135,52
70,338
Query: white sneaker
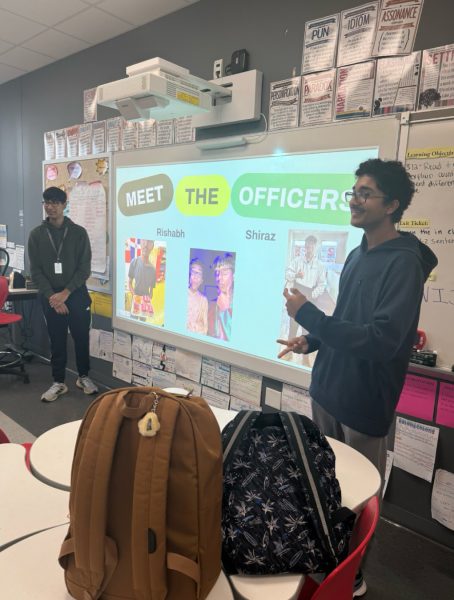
x,y
55,390
360,587
87,385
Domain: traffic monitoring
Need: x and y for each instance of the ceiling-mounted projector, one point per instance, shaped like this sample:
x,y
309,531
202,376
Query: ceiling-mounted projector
x,y
159,89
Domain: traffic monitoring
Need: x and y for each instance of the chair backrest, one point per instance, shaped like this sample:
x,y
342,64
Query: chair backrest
x,y
4,439
4,261
339,583
4,290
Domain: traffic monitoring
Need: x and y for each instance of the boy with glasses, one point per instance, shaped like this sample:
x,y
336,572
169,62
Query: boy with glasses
x,y
60,264
364,347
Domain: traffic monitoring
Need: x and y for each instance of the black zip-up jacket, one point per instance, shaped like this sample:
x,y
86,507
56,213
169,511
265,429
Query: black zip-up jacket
x,y
75,257
365,347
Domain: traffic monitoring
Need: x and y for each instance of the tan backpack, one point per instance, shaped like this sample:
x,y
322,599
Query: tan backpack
x,y
145,508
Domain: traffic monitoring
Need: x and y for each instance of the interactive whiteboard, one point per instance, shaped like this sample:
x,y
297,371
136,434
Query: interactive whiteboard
x,y
205,245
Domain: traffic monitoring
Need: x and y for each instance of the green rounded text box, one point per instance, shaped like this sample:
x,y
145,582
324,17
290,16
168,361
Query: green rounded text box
x,y
147,195
202,195
309,198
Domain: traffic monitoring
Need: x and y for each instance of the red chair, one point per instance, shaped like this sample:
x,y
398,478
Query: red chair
x,y
339,583
4,439
11,362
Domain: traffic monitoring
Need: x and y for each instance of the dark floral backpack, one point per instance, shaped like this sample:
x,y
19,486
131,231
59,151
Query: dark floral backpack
x,y
282,508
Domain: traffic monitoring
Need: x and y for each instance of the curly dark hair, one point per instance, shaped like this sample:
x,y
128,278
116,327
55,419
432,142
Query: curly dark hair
x,y
392,179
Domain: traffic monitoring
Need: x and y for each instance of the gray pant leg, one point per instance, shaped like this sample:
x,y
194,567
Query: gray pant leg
x,y
373,448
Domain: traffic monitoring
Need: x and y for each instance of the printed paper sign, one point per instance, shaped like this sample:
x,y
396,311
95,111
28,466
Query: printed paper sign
x,y
445,408
396,84
418,397
436,88
284,103
357,33
122,343
245,385
295,399
215,374
320,41
415,447
443,498
317,97
354,91
90,105
397,26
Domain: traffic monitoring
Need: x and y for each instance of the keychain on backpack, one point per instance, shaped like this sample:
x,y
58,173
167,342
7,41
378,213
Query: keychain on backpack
x,y
149,424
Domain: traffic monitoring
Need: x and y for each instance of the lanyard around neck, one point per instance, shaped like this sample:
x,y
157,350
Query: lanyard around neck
x,y
57,252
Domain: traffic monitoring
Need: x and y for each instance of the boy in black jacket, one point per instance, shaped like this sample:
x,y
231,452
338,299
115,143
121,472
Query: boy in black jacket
x,y
365,346
60,259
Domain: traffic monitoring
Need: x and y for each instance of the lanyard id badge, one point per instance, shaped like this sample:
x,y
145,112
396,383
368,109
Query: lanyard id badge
x,y
58,266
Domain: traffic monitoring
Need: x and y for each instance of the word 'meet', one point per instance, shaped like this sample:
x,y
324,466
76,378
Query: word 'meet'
x,y
309,199
144,196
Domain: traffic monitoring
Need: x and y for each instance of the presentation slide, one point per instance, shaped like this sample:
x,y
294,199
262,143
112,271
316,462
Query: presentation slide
x,y
205,249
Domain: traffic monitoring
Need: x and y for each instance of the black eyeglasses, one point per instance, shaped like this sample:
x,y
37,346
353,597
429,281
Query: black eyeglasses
x,y
52,202
362,196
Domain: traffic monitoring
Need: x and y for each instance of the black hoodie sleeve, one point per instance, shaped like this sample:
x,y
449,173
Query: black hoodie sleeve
x,y
394,313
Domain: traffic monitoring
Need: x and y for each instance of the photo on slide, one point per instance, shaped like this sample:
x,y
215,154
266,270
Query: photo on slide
x,y
145,276
314,262
211,275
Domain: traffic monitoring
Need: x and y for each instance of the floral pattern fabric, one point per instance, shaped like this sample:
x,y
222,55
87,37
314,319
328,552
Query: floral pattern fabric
x,y
269,524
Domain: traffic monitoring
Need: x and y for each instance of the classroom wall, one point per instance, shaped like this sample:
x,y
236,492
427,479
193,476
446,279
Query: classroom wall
x,y
51,98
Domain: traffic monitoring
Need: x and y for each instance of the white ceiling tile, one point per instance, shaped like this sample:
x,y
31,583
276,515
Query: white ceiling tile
x,y
7,73
139,12
55,44
24,59
16,29
47,12
4,46
93,26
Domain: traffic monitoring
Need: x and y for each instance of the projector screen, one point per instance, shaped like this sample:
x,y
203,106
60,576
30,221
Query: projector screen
x,y
205,248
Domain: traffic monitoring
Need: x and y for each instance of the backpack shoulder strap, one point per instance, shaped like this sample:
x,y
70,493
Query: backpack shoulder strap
x,y
148,539
297,440
233,433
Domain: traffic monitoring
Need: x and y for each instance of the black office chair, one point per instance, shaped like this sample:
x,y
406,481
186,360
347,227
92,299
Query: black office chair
x,y
11,361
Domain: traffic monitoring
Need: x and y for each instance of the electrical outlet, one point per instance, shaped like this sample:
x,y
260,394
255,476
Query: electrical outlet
x,y
218,68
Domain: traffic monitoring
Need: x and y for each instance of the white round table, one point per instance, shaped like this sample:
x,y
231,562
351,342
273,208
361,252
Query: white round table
x,y
26,506
51,458
29,570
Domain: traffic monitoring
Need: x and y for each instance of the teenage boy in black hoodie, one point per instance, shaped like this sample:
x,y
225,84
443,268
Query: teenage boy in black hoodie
x,y
60,259
364,347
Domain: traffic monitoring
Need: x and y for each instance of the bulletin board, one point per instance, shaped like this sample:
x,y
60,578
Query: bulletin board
x,y
87,182
429,156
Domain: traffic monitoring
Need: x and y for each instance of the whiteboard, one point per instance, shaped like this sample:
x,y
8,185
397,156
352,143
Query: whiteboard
x,y
429,156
